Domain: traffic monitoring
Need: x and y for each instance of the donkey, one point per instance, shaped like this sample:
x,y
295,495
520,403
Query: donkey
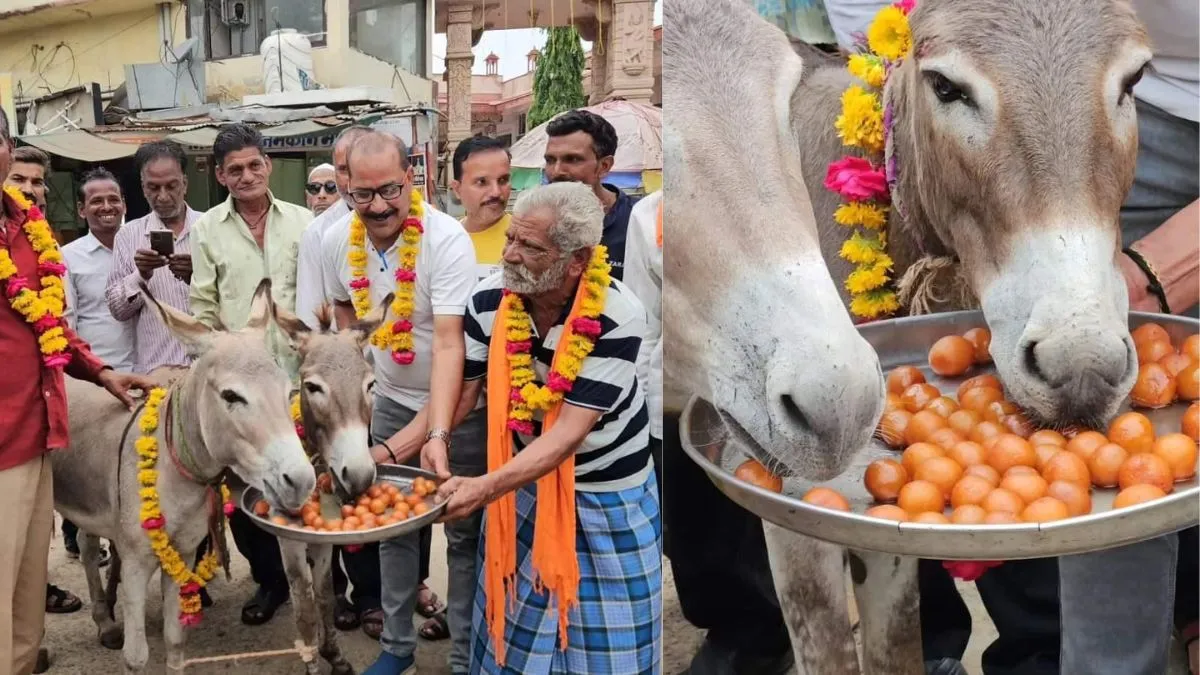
x,y
228,411
1015,136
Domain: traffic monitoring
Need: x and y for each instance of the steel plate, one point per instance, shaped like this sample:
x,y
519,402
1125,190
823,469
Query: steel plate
x,y
906,341
330,508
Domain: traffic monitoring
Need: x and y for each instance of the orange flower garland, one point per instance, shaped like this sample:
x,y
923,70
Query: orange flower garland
x,y
397,335
42,309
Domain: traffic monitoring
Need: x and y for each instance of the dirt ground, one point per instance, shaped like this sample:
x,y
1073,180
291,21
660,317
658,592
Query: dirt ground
x,y
75,649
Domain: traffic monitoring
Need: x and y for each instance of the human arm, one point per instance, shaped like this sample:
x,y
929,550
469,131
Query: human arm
x,y
334,287
310,283
121,292
641,276
86,366
72,301
204,300
1173,251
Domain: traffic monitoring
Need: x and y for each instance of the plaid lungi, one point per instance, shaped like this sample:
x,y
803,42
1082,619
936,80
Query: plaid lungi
x,y
617,625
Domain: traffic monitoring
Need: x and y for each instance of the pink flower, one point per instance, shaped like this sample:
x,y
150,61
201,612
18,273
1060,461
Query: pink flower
x,y
154,523
905,6
56,360
401,326
189,620
35,213
586,327
521,427
353,548
515,395
45,323
190,588
15,286
968,570
405,275
855,179
359,284
414,223
52,268
559,383
227,508
300,430
518,347
404,357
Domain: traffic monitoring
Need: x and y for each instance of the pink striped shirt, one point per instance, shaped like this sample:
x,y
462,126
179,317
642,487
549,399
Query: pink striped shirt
x,y
155,346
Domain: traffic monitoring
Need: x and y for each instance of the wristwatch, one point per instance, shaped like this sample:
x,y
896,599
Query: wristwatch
x,y
439,433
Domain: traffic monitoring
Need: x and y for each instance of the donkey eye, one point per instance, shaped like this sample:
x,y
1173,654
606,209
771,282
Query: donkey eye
x,y
370,386
313,388
1131,82
232,397
945,90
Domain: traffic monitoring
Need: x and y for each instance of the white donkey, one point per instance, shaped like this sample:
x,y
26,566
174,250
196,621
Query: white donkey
x,y
228,411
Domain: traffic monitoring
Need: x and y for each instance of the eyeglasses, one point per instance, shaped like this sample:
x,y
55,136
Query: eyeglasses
x,y
314,188
367,195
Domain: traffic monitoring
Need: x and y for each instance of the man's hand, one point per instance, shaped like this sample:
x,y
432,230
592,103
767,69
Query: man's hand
x,y
119,384
1140,299
147,261
181,266
435,457
465,496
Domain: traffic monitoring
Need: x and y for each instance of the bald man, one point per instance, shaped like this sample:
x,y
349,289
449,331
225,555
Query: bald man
x,y
321,191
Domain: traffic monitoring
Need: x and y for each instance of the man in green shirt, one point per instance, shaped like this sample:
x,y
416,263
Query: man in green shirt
x,y
249,236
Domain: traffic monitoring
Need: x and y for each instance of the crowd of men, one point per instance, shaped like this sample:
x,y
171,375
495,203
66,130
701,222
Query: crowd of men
x,y
431,412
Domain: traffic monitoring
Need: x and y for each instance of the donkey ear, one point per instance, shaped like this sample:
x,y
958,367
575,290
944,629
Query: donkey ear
x,y
261,306
297,331
195,336
365,327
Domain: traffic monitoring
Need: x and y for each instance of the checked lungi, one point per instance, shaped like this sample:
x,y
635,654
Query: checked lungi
x,y
616,628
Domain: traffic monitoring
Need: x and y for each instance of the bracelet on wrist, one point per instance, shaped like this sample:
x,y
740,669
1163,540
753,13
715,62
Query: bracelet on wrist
x,y
1154,286
391,454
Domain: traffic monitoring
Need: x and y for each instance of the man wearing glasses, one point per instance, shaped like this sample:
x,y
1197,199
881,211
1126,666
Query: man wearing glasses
x,y
320,192
417,389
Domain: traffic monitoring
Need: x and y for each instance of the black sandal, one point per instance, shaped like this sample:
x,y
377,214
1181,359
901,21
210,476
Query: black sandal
x,y
345,616
372,622
435,628
59,601
262,607
433,607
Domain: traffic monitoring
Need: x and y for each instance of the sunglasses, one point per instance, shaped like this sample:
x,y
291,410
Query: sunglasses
x,y
314,188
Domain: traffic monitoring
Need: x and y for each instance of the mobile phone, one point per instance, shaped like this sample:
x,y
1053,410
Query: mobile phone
x,y
163,243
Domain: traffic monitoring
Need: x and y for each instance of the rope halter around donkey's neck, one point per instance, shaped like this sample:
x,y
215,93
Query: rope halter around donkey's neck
x,y
864,178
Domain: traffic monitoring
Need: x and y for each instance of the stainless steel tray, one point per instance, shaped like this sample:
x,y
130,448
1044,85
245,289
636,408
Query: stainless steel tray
x,y
400,475
906,341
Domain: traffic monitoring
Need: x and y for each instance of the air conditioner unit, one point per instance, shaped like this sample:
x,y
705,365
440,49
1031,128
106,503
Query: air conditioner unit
x,y
235,12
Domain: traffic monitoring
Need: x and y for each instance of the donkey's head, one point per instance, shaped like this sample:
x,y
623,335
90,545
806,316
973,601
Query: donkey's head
x,y
754,320
235,403
1015,138
335,395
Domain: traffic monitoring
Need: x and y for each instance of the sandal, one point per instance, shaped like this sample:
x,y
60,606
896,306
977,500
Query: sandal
x,y
372,622
432,607
261,608
435,628
1189,636
345,616
59,601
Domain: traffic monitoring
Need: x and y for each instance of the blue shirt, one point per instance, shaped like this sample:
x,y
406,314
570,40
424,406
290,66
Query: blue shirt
x,y
616,224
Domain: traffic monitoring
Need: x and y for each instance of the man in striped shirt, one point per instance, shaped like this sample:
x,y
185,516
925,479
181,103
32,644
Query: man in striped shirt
x,y
602,423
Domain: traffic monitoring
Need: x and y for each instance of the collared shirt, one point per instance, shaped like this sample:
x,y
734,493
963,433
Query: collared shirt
x,y
643,276
88,265
616,224
310,280
33,400
489,246
227,266
445,276
155,346
615,455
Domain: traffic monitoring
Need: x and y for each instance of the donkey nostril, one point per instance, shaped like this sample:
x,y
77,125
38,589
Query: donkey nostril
x,y
1029,361
793,412
345,476
288,480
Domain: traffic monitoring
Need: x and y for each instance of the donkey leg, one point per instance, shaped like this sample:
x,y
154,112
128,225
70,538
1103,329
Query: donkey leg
x,y
889,610
300,583
136,577
810,579
321,558
89,554
172,629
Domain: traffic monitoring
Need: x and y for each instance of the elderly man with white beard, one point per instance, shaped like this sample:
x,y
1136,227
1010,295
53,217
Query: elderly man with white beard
x,y
572,571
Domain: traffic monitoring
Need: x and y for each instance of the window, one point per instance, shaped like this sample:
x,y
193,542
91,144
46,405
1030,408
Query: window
x,y
521,121
232,28
391,31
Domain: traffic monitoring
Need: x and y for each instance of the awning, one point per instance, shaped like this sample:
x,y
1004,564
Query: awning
x,y
81,145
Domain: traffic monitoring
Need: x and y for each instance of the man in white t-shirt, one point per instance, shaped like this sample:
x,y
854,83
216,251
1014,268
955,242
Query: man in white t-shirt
x,y
416,390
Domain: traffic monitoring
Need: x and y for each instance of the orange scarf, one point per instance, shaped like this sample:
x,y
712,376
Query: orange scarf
x,y
658,234
555,562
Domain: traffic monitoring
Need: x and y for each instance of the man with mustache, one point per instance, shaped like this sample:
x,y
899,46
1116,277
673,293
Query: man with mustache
x,y
577,426
395,238
581,149
249,236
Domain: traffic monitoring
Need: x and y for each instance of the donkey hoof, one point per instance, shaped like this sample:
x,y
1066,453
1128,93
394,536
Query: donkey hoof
x,y
113,638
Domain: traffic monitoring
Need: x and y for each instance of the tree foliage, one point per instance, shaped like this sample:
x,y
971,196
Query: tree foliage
x,y
558,76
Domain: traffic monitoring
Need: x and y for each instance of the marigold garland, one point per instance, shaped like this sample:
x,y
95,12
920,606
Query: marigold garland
x,y
396,336
525,396
865,124
154,523
42,309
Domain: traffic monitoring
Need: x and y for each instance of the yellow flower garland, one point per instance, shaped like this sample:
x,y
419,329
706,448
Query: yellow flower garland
x,y
397,335
864,124
43,309
189,582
